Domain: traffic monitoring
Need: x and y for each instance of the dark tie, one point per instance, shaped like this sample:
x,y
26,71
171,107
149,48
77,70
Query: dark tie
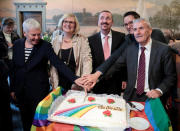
x,y
141,73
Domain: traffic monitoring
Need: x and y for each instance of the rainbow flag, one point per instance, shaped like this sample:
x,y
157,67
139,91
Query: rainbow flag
x,y
157,115
41,123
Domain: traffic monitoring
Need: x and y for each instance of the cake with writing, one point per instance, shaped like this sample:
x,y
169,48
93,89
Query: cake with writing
x,y
102,111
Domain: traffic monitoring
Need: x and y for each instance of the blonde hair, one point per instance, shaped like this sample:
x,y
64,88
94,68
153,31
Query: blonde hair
x,y
77,27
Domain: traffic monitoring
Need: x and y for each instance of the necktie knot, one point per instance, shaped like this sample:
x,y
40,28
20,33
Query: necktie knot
x,y
106,37
143,48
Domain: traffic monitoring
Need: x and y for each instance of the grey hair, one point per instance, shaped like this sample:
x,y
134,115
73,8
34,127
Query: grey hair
x,y
142,19
30,23
60,23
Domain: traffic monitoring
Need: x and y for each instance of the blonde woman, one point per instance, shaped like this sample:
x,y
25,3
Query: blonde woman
x,y
73,48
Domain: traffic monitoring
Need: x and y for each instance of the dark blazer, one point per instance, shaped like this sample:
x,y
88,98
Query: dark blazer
x,y
30,79
4,45
112,84
5,116
156,35
162,70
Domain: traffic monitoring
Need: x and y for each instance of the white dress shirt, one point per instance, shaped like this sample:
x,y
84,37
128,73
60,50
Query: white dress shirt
x,y
147,52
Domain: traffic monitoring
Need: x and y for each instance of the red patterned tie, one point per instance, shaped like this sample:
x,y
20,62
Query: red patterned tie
x,y
141,73
106,48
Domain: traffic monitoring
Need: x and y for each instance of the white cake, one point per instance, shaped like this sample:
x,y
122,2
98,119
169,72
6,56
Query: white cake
x,y
105,112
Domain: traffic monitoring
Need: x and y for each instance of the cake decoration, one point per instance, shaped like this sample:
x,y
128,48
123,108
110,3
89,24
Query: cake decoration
x,y
107,113
91,99
72,100
110,101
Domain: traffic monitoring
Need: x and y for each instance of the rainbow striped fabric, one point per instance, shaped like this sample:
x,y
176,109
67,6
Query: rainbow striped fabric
x,y
41,123
157,115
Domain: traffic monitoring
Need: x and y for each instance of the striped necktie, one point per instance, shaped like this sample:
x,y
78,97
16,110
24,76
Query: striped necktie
x,y
141,73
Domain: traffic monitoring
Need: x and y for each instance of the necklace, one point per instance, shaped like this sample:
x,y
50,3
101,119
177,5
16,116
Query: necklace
x,y
69,57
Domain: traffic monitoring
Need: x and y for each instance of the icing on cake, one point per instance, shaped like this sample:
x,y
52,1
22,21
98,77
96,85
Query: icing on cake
x,y
102,111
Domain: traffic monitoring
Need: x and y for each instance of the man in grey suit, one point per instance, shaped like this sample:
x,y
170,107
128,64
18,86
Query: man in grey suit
x,y
160,71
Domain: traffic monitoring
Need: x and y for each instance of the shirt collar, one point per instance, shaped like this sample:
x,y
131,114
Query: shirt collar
x,y
109,34
148,45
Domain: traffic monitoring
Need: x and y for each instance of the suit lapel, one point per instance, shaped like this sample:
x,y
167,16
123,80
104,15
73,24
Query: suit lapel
x,y
35,49
21,56
134,52
153,56
114,41
99,48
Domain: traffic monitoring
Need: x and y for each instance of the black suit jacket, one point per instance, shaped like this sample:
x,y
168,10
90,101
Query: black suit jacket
x,y
162,70
4,45
30,78
112,84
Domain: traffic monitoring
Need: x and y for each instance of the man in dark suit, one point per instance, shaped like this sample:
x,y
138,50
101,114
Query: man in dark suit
x,y
112,84
160,70
30,79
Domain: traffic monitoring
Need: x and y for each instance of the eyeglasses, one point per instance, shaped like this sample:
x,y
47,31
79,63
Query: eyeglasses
x,y
129,23
68,22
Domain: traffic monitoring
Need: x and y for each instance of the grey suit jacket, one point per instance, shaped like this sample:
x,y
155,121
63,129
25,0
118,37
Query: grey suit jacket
x,y
162,71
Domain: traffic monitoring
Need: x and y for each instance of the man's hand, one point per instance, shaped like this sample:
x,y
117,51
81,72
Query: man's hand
x,y
91,79
153,94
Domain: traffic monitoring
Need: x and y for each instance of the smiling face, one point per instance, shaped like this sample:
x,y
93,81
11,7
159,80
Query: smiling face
x,y
33,36
142,32
128,23
69,25
105,22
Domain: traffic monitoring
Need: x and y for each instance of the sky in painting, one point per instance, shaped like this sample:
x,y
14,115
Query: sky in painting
x,y
55,7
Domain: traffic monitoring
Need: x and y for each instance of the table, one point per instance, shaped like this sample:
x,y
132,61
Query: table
x,y
153,112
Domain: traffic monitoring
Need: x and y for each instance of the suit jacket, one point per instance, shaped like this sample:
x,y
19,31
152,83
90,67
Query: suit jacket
x,y
30,78
111,85
156,35
6,116
4,45
162,70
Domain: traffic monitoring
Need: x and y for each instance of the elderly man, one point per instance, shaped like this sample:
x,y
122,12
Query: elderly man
x,y
7,37
150,65
30,80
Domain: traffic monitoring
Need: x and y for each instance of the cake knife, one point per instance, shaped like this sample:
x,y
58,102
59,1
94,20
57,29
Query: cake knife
x,y
85,94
